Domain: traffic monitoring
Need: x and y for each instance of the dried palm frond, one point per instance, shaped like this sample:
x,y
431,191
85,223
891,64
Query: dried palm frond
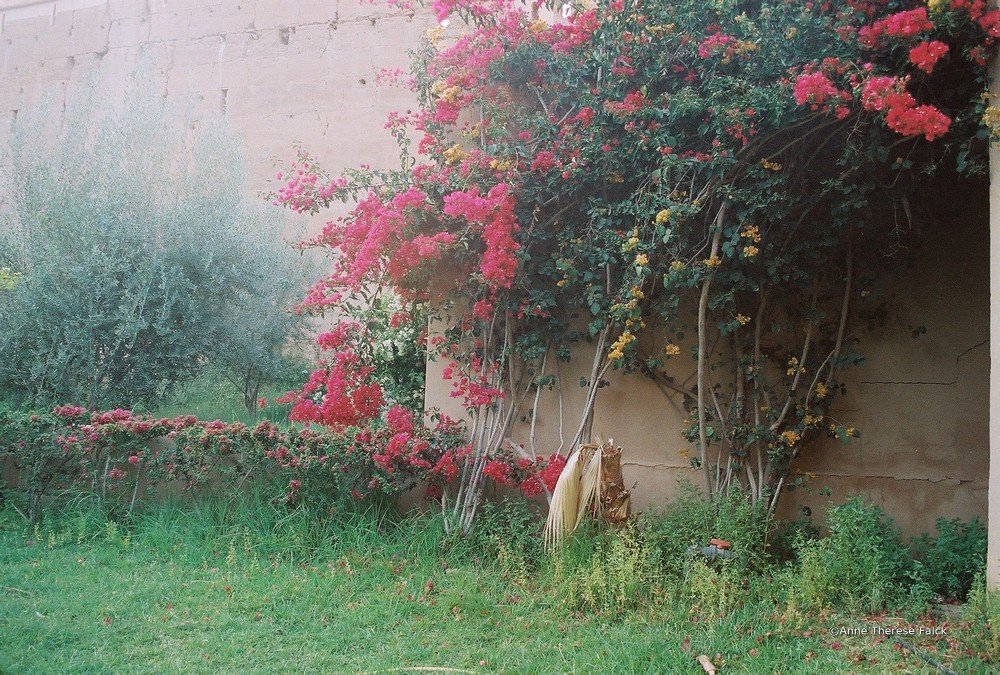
x,y
577,492
565,502
590,482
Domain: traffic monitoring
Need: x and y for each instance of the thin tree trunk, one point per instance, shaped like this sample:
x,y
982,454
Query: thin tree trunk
x,y
703,349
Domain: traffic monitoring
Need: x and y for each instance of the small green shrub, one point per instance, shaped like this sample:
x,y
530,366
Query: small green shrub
x,y
951,561
507,534
861,566
711,589
611,571
692,520
788,533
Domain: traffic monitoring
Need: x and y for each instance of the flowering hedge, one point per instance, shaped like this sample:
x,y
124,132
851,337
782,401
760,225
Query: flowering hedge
x,y
575,184
109,454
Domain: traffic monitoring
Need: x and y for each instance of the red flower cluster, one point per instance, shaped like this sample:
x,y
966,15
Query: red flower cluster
x,y
815,88
494,215
990,22
576,32
715,44
498,471
925,120
302,189
543,476
900,25
926,55
902,114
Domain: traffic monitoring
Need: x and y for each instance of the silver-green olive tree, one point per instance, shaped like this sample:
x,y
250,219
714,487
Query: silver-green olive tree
x,y
137,254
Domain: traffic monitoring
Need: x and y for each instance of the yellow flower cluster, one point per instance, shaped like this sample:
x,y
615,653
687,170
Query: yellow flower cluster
x,y
770,166
616,177
641,260
821,390
676,265
750,251
751,232
663,217
434,34
991,118
937,6
501,166
8,278
714,261
618,348
538,26
740,47
455,154
661,28
632,242
794,367
812,420
790,437
448,94
671,349
637,293
743,319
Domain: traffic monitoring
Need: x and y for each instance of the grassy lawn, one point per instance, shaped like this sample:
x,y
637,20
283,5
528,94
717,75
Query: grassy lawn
x,y
216,590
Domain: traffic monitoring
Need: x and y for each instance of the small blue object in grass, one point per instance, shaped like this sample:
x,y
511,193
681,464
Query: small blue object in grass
x,y
711,552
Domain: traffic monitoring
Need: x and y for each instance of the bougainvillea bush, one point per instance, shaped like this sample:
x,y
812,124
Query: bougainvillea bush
x,y
114,455
573,187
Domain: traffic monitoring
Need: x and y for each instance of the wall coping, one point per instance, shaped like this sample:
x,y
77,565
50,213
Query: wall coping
x,y
12,10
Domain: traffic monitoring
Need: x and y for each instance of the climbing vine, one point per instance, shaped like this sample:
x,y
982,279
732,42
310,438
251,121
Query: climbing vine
x,y
681,190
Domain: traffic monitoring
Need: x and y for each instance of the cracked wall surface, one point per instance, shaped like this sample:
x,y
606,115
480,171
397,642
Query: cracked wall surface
x,y
286,72
921,404
304,71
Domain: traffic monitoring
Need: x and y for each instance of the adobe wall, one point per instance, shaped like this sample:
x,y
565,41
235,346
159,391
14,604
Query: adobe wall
x,y
920,403
284,71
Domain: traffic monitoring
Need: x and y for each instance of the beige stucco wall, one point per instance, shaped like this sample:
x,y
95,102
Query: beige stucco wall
x,y
304,71
285,71
921,404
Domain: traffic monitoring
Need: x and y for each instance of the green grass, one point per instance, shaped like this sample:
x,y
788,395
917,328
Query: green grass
x,y
249,587
212,397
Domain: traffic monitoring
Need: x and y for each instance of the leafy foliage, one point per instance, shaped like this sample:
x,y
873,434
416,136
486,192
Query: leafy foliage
x,y
862,565
133,256
613,572
691,521
584,184
951,561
